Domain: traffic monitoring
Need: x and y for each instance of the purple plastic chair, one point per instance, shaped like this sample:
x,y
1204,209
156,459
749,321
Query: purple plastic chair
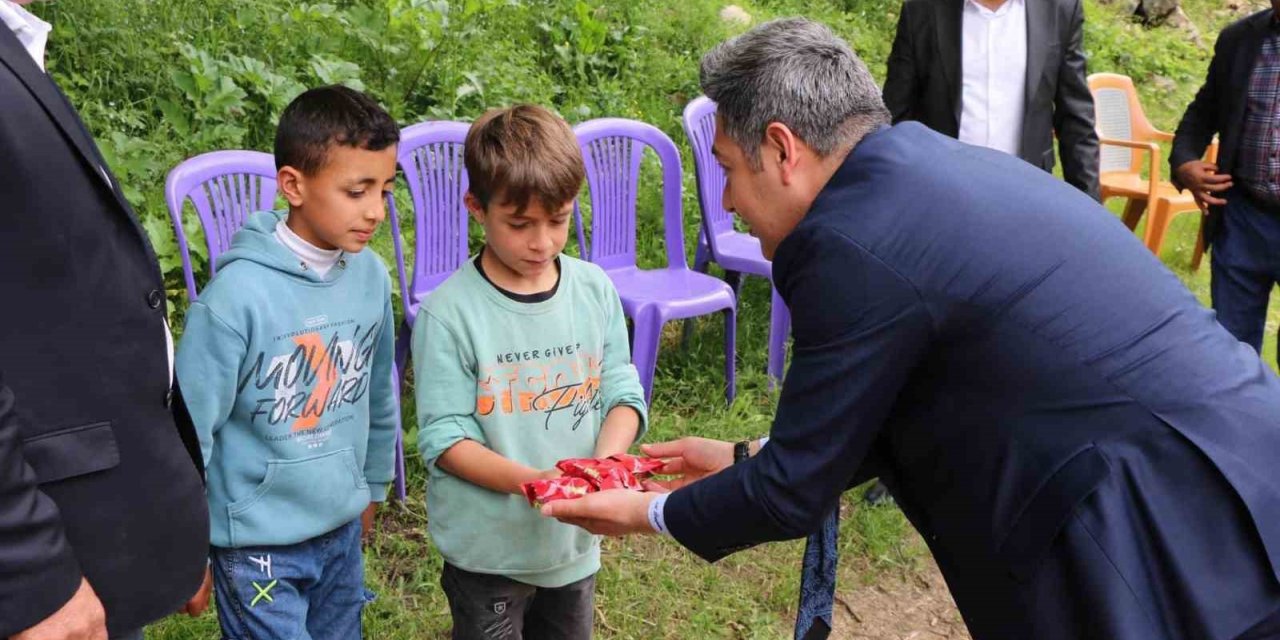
x,y
738,253
225,187
613,149
430,156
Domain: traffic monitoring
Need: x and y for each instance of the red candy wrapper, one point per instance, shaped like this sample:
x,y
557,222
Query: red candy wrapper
x,y
617,477
540,492
639,466
588,468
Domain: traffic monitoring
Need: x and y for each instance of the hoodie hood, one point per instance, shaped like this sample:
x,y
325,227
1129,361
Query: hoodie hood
x,y
256,242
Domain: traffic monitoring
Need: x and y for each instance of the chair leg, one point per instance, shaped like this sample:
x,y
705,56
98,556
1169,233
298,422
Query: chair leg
x,y
400,489
734,280
1198,254
730,354
701,255
402,349
644,350
779,328
1157,225
1133,210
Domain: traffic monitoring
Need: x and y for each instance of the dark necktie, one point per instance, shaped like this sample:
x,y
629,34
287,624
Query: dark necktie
x,y
818,581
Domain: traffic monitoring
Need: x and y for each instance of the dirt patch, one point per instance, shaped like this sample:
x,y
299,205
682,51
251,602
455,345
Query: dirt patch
x,y
914,606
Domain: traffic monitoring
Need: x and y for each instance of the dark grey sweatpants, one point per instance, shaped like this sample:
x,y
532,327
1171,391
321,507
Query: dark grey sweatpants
x,y
490,607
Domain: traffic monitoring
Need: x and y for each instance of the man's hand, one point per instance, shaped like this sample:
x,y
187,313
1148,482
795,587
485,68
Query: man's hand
x,y
616,512
366,520
81,618
200,601
1203,179
690,459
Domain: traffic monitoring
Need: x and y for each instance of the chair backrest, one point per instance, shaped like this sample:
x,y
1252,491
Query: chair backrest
x,y
700,127
225,187
430,155
1118,115
612,149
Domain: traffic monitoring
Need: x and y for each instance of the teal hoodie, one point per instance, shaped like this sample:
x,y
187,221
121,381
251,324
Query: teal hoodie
x,y
288,378
533,382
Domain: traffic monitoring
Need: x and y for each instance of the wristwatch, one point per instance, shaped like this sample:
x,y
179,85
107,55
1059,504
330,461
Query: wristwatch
x,y
741,451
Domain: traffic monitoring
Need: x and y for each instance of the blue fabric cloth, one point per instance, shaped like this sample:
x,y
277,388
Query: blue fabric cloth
x,y
818,580
1246,266
312,590
988,358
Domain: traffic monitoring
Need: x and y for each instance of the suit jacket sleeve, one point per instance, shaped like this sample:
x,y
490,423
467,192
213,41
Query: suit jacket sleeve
x,y
1199,123
861,331
901,84
38,569
1073,113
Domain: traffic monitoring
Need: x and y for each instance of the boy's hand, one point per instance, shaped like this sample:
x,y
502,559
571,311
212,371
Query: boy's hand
x,y
366,520
200,601
549,474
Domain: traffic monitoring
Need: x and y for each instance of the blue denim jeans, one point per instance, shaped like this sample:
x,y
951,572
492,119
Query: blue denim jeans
x,y
1246,266
313,590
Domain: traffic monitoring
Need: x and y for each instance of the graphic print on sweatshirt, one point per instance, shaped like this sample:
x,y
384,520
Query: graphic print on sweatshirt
x,y
561,383
300,384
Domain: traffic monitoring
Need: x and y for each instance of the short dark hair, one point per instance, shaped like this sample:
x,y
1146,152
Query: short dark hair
x,y
520,153
325,116
797,72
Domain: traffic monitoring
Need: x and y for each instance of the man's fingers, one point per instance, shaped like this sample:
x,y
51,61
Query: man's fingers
x,y
672,485
1215,201
674,466
654,486
669,449
1217,178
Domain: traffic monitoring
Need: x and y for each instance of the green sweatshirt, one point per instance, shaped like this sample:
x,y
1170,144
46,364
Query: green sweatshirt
x,y
532,382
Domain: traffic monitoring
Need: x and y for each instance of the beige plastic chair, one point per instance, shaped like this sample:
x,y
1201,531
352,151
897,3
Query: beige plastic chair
x,y
1126,136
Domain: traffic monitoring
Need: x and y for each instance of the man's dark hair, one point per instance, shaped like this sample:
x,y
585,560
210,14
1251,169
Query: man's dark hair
x,y
325,116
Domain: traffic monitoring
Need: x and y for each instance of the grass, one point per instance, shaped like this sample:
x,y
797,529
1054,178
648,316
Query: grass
x,y
158,82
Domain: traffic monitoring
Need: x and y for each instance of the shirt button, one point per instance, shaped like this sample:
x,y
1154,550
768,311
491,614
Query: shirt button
x,y
155,298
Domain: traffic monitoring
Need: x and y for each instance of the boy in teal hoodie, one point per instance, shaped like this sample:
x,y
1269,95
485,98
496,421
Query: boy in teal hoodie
x,y
521,359
286,366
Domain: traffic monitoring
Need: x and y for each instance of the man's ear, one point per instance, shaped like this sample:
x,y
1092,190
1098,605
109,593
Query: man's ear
x,y
781,146
290,182
473,205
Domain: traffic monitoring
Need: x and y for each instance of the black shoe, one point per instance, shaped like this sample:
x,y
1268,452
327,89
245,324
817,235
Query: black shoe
x,y
877,495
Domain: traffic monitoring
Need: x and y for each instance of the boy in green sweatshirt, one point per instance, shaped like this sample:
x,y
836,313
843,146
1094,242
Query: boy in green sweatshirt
x,y
521,359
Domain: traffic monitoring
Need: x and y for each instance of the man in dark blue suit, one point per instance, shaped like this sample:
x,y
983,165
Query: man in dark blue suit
x,y
1087,453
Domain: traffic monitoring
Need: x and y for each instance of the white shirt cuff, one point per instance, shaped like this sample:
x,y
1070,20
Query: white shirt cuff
x,y
657,516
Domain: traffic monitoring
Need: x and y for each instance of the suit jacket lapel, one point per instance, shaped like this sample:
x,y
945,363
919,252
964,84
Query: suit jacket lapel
x,y
16,58
1243,61
947,23
1039,35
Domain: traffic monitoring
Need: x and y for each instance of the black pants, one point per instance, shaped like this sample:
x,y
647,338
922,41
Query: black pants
x,y
491,607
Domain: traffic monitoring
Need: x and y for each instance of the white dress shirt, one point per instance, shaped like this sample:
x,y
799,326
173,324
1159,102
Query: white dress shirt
x,y
994,69
32,32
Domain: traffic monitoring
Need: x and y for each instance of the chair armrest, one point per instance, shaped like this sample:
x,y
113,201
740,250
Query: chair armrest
x,y
1153,160
1132,144
1161,136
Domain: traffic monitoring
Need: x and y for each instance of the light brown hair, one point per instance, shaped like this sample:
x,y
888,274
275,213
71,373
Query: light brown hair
x,y
523,152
